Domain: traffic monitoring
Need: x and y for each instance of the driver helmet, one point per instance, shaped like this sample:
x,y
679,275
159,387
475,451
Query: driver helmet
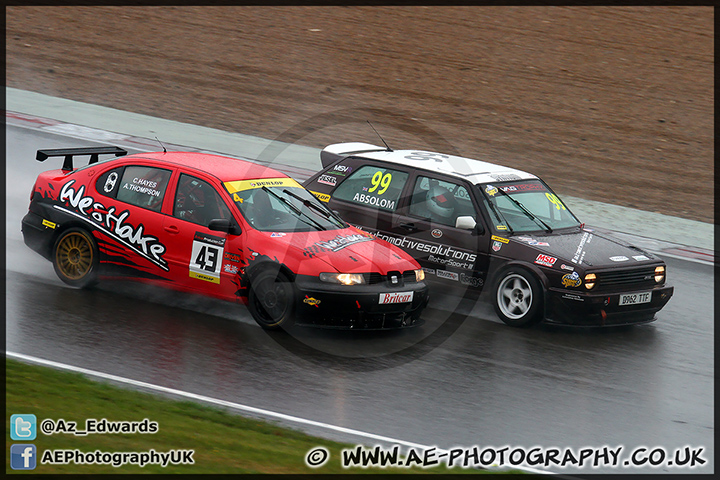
x,y
440,201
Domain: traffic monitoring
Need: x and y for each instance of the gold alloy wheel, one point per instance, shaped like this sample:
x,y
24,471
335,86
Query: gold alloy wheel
x,y
74,256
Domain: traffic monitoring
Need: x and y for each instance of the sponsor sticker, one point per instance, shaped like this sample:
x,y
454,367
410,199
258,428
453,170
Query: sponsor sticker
x,y
49,224
323,197
619,258
436,233
240,185
567,267
229,268
545,260
496,246
640,258
500,227
312,301
571,296
470,280
448,275
571,280
399,297
276,235
327,180
505,177
342,169
500,239
491,190
429,271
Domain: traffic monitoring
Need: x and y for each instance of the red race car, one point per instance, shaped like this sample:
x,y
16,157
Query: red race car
x,y
222,227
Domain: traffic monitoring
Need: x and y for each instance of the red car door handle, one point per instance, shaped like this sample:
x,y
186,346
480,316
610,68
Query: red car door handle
x,y
171,229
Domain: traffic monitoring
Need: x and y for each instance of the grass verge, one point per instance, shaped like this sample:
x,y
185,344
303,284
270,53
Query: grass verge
x,y
222,442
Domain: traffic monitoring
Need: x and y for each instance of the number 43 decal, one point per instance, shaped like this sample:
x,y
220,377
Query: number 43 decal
x,y
206,257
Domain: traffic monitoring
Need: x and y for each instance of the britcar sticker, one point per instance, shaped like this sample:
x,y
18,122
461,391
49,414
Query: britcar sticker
x,y
205,259
571,280
545,260
112,224
398,297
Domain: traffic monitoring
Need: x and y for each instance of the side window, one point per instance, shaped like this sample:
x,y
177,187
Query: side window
x,y
141,186
198,202
371,186
440,201
108,183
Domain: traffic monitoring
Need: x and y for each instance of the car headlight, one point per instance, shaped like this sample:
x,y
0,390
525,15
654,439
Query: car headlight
x,y
659,274
419,275
343,278
590,279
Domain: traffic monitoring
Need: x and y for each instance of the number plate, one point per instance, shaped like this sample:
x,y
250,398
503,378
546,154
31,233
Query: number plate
x,y
400,297
635,298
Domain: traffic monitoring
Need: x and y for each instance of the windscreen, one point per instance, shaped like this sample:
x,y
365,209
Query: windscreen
x,y
526,206
281,205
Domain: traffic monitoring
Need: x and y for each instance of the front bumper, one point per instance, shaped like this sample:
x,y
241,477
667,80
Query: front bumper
x,y
602,309
357,306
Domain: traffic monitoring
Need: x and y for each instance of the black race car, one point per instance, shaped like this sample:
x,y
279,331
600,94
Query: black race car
x,y
472,225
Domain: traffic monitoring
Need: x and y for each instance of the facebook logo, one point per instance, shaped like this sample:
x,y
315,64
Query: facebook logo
x,y
23,427
22,457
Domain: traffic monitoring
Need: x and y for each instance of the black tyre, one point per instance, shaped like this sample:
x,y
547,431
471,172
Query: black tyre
x,y
271,300
75,258
518,298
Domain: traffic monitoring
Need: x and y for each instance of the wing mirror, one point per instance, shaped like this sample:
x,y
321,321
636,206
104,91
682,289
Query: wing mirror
x,y
465,222
224,225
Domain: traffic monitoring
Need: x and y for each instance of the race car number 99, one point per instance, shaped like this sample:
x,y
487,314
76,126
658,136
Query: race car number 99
x,y
380,180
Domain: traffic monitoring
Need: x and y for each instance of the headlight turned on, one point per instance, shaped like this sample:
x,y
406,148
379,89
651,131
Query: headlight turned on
x,y
419,275
659,274
590,279
343,278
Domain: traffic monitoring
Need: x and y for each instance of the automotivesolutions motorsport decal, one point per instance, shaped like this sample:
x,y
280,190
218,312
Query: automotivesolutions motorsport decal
x,y
111,223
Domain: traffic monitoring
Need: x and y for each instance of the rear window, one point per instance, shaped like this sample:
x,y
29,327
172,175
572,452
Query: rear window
x,y
374,187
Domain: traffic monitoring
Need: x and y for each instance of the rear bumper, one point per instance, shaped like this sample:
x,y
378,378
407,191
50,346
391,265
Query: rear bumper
x,y
358,306
36,234
602,309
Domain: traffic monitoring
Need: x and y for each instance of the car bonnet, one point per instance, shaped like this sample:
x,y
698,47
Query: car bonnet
x,y
587,248
346,250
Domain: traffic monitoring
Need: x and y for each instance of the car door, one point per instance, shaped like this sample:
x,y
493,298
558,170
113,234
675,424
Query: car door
x,y
128,213
427,223
197,255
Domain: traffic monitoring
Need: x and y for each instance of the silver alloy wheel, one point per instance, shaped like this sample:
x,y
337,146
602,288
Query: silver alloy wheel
x,y
514,296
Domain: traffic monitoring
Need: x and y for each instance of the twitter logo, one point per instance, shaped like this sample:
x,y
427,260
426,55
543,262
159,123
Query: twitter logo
x,y
23,427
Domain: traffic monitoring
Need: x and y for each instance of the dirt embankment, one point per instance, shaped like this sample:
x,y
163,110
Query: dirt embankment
x,y
607,103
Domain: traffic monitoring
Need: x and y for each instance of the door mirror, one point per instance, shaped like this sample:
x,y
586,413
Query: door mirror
x,y
465,222
223,225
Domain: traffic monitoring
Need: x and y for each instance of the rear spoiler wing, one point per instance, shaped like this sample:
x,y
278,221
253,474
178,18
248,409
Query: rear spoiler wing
x,y
69,153
333,153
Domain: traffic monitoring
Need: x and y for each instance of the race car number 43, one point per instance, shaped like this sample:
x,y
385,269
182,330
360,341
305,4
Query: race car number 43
x,y
400,297
635,298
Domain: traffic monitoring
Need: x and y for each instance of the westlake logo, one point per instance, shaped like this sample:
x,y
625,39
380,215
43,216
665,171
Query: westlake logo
x,y
399,297
340,242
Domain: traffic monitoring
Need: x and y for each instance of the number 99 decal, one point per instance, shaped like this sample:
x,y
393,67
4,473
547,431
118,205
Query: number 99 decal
x,y
380,180
555,201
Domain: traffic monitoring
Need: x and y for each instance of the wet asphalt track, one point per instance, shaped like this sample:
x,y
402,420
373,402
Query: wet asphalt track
x,y
462,379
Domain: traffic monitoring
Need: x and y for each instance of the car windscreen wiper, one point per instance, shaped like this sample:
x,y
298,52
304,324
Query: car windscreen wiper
x,y
499,215
532,217
294,208
325,213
